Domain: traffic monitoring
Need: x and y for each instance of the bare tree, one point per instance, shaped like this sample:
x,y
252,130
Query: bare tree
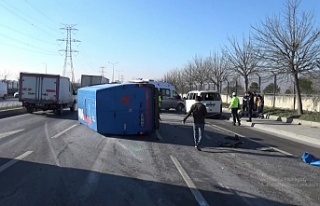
x,y
290,43
4,75
200,71
170,78
243,58
218,69
180,80
177,78
189,75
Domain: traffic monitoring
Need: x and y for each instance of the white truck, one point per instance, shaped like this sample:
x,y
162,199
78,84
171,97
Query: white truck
x,y
3,90
90,80
46,92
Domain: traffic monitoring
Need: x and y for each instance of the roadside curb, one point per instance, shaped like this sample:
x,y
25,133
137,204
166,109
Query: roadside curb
x,y
293,121
289,135
12,112
286,119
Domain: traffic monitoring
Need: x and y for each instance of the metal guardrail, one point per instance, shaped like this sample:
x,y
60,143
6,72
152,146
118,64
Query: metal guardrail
x,y
4,104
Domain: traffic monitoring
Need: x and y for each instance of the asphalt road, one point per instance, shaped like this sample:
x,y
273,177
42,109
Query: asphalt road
x,y
53,160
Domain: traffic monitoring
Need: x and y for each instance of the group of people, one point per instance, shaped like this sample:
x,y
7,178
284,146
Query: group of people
x,y
251,102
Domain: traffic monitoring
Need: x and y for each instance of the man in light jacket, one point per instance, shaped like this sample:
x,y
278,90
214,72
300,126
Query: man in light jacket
x,y
234,106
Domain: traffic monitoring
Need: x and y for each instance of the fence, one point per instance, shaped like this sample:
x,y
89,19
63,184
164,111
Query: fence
x,y
311,103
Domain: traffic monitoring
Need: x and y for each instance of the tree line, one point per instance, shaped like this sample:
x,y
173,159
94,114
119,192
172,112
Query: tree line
x,y
284,45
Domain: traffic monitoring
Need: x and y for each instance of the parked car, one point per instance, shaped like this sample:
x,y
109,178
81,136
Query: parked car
x,y
211,99
170,98
16,95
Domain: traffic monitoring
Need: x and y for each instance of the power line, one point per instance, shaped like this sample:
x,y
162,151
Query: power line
x,y
68,51
51,54
28,16
24,19
15,30
43,14
21,42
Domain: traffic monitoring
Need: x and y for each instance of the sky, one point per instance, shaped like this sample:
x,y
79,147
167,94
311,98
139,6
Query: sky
x,y
133,38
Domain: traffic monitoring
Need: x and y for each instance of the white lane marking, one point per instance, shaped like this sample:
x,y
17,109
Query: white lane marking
x,y
224,186
64,131
281,151
200,199
14,161
226,130
90,185
240,135
5,134
159,135
50,145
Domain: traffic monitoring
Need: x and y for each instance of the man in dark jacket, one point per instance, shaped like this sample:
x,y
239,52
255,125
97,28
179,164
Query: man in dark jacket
x,y
250,105
199,112
245,104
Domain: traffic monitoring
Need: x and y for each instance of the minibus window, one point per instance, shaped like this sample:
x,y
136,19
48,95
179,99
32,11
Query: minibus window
x,y
211,96
175,95
165,92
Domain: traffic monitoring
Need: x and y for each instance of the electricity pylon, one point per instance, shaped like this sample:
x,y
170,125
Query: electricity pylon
x,y
68,50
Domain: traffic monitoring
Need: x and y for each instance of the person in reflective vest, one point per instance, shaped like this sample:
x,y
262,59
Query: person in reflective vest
x,y
234,106
159,100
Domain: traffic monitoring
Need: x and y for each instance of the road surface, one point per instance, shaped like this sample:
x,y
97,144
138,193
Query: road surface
x,y
54,160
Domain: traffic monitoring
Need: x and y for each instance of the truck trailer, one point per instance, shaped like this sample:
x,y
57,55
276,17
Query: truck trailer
x,y
119,109
91,80
46,92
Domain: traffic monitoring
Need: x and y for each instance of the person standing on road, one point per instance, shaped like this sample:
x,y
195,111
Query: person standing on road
x,y
199,112
245,105
159,104
260,104
250,105
234,106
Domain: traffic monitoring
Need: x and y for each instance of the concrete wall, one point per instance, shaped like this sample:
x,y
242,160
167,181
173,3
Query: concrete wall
x,y
285,102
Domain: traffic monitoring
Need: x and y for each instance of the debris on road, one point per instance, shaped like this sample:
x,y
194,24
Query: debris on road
x,y
310,159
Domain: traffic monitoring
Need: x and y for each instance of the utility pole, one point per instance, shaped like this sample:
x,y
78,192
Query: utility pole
x,y
119,74
113,69
68,50
102,70
45,67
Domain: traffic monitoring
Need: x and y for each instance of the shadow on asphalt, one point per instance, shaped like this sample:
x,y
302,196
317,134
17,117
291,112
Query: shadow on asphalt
x,y
13,112
52,185
224,115
67,114
214,141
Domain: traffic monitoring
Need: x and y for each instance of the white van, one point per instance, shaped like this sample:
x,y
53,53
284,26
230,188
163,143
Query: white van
x,y
170,98
211,99
3,90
